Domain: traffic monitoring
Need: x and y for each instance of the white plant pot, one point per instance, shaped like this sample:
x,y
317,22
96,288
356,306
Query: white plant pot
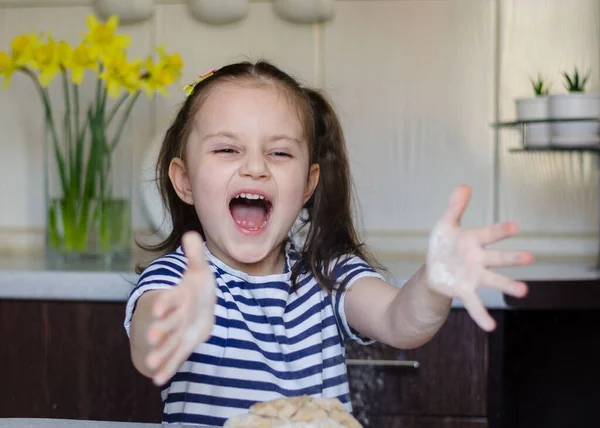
x,y
575,105
304,11
129,11
218,12
536,134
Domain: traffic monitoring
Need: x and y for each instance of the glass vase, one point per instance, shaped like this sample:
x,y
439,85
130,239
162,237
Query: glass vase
x,y
88,176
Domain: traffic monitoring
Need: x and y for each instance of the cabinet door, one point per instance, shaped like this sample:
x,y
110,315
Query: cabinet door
x,y
451,379
423,422
71,360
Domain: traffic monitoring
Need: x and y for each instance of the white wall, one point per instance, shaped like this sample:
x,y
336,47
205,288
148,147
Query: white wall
x,y
416,82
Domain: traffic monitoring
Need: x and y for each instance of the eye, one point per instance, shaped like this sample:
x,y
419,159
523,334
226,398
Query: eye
x,y
281,154
227,151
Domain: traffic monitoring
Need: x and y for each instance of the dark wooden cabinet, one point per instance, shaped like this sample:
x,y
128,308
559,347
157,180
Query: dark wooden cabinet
x,y
449,383
424,422
70,360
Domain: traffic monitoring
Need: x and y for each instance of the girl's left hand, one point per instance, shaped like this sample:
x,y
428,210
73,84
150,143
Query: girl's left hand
x,y
457,260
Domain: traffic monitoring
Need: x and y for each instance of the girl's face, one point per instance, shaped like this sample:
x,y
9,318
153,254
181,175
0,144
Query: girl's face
x,y
247,173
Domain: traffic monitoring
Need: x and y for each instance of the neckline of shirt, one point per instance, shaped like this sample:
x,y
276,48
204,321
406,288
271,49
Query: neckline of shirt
x,y
285,276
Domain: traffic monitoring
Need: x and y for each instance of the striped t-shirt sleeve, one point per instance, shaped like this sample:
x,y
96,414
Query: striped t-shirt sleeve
x,y
348,269
163,273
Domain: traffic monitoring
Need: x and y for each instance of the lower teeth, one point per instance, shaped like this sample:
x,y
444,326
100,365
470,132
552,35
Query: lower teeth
x,y
243,223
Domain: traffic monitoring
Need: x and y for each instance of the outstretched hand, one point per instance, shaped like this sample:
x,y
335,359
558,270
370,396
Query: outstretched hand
x,y
457,260
184,314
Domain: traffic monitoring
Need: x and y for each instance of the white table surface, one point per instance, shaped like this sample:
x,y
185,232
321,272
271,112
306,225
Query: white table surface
x,y
65,423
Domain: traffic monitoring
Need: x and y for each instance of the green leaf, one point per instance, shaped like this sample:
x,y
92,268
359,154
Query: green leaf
x,y
53,234
584,81
575,83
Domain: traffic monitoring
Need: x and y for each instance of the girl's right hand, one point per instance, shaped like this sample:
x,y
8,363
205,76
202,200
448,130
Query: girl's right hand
x,y
183,315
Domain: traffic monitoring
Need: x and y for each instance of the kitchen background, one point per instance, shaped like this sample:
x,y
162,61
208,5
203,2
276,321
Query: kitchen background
x,y
417,85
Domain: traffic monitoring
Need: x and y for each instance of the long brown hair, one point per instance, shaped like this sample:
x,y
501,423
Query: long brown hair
x,y
330,228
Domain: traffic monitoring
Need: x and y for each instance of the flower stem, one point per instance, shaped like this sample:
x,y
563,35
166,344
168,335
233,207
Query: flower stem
x,y
50,122
79,137
68,134
124,119
116,107
99,91
76,104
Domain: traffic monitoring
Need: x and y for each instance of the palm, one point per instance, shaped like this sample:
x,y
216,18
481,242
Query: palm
x,y
458,262
185,313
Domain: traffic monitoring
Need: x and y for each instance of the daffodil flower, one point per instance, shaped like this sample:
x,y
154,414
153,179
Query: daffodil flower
x,y
162,74
7,67
22,53
23,49
102,34
121,73
48,60
84,57
65,54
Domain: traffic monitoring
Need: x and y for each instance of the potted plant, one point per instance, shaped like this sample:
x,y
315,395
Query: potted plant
x,y
536,108
575,104
88,148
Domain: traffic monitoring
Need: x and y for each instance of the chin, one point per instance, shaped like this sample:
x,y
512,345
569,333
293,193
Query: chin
x,y
251,251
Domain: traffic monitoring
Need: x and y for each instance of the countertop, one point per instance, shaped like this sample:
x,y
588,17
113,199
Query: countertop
x,y
65,423
30,277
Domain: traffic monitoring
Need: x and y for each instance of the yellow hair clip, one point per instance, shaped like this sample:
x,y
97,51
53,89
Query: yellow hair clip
x,y
189,89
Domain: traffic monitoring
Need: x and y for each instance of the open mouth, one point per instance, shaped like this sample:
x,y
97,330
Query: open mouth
x,y
251,211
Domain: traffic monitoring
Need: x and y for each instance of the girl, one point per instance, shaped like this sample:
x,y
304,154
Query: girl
x,y
233,312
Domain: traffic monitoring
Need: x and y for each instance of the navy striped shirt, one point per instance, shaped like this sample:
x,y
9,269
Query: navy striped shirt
x,y
268,342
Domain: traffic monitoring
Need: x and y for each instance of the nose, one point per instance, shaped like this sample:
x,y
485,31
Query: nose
x,y
255,166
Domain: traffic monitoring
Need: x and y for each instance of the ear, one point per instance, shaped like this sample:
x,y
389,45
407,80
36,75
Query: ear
x,y
181,180
313,180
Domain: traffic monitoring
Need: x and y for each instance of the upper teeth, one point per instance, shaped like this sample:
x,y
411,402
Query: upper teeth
x,y
250,196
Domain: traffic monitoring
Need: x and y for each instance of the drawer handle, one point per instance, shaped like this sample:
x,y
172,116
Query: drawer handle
x,y
383,363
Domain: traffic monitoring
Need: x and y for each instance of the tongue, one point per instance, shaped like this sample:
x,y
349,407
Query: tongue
x,y
248,217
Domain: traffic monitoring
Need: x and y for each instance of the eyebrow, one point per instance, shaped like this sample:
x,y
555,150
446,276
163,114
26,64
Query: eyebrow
x,y
220,134
278,137
232,136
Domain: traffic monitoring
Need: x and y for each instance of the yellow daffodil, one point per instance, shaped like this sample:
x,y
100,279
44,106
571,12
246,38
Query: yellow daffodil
x,y
102,34
22,55
120,73
172,61
84,57
47,58
7,67
65,54
23,49
162,74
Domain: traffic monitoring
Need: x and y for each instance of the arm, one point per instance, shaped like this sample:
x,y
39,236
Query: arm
x,y
404,317
141,322
169,324
457,264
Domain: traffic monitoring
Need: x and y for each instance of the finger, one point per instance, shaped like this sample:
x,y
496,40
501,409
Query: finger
x,y
457,205
194,251
489,234
158,356
162,327
504,284
165,303
174,361
499,258
478,312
